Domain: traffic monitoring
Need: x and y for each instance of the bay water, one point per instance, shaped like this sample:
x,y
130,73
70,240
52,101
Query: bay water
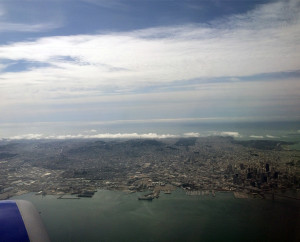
x,y
119,216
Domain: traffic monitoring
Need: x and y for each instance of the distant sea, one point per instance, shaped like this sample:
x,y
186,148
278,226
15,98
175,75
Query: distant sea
x,y
118,216
284,130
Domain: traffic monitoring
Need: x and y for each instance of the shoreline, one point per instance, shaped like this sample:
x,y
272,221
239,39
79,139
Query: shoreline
x,y
194,193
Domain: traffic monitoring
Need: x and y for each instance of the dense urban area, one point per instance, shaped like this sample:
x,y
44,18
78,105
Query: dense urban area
x,y
200,166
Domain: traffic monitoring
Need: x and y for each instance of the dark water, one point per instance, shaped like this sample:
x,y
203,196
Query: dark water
x,y
117,216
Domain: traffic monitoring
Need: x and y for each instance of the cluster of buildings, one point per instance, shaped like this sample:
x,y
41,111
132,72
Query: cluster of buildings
x,y
205,165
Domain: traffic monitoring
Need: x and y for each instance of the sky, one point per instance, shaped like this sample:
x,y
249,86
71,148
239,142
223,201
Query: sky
x,y
105,61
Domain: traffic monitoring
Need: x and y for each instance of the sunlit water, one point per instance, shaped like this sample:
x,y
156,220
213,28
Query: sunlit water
x,y
118,216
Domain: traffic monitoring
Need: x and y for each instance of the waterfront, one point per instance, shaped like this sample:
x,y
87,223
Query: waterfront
x,y
119,216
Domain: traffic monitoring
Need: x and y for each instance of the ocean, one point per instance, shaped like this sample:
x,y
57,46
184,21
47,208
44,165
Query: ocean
x,y
119,216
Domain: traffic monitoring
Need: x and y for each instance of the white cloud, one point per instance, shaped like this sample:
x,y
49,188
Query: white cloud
x,y
256,136
27,136
192,134
237,48
225,133
230,133
271,136
133,135
96,136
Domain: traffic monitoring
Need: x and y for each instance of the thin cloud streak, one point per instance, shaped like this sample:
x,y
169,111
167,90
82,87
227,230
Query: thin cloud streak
x,y
9,26
20,27
2,11
111,4
211,102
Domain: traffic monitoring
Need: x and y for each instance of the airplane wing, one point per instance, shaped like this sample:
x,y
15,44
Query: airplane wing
x,y
20,222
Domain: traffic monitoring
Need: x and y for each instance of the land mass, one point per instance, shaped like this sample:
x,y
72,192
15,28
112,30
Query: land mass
x,y
204,165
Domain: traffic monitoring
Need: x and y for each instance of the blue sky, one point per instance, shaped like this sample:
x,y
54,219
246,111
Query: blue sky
x,y
94,60
66,17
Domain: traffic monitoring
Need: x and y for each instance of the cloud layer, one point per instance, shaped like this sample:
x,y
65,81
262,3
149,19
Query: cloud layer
x,y
121,136
95,136
113,67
